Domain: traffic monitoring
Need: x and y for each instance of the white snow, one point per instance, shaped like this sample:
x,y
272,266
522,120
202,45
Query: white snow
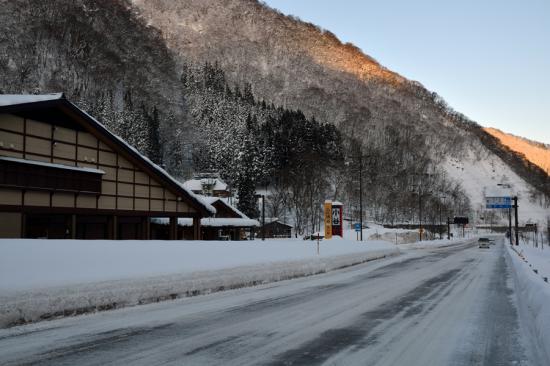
x,y
533,293
52,165
479,177
40,277
14,99
211,200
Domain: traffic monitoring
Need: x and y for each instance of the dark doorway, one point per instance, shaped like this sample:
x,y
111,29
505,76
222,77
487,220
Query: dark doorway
x,y
92,227
130,228
47,226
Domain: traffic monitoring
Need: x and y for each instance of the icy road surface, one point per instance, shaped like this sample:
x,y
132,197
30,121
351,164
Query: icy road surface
x,y
451,306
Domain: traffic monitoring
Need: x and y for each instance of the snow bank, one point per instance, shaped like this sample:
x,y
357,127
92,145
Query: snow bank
x,y
533,298
439,243
40,279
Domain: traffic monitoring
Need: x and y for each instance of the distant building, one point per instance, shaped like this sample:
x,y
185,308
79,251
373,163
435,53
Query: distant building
x,y
228,224
275,229
208,184
64,175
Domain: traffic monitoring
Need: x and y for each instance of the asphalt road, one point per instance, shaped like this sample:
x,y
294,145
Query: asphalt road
x,y
453,306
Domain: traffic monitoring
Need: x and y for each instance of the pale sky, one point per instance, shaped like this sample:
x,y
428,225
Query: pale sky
x,y
489,59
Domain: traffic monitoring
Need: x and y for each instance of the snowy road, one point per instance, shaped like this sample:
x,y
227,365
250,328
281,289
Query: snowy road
x,y
450,306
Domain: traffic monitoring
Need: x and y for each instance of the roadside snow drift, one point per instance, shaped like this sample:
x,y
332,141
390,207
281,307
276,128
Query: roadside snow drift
x,y
40,279
533,295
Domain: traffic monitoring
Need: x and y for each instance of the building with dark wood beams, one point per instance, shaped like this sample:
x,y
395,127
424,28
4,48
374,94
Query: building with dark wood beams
x,y
64,175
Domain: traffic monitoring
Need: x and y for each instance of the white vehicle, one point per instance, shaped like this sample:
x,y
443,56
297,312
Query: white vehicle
x,y
483,243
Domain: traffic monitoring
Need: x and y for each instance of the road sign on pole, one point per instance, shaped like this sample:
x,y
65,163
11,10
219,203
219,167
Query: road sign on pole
x,y
498,202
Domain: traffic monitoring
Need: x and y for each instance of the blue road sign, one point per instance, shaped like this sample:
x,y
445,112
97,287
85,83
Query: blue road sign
x,y
498,202
357,227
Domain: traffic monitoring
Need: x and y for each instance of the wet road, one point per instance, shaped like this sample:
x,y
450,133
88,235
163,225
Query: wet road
x,y
452,306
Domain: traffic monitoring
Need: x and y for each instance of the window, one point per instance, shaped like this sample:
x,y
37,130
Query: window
x,y
20,174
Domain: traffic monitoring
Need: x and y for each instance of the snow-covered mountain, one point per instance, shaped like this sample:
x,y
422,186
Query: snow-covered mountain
x,y
123,59
299,65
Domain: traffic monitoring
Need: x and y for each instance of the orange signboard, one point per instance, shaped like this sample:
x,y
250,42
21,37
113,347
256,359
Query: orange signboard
x,y
328,220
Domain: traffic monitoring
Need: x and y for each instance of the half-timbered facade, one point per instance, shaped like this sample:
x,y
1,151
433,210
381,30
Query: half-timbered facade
x,y
64,175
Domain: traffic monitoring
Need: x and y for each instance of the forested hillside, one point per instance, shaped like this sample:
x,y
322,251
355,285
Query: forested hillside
x,y
265,100
535,152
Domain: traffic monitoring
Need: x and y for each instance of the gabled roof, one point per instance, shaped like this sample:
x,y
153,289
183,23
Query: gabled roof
x,y
57,103
211,200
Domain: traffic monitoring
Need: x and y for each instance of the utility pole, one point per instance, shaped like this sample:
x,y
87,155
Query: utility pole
x,y
516,220
510,224
361,193
420,213
263,216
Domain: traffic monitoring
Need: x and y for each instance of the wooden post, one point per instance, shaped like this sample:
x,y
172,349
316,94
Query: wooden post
x,y
146,228
196,228
113,227
23,223
173,228
73,226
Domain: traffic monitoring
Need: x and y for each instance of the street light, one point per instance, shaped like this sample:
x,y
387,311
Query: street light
x,y
420,194
360,158
440,220
508,186
262,196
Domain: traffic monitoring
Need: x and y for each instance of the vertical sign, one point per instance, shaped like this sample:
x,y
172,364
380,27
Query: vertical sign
x,y
337,227
328,219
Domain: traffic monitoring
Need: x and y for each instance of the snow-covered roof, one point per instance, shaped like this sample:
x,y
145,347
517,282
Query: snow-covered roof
x,y
11,100
210,222
211,200
269,220
197,184
14,99
52,165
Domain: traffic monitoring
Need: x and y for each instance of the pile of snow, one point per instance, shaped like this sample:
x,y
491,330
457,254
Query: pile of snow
x,y
44,278
439,243
376,232
533,293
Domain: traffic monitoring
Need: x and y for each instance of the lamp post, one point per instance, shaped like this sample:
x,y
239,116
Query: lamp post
x,y
360,158
262,196
505,185
440,220
420,194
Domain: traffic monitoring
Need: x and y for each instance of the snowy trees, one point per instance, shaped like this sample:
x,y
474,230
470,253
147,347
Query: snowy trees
x,y
251,144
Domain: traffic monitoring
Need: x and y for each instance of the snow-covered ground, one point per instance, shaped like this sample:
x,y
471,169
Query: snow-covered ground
x,y
44,278
41,278
450,307
533,292
36,264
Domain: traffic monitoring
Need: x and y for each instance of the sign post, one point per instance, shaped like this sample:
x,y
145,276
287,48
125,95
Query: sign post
x,y
328,219
337,225
357,230
504,202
